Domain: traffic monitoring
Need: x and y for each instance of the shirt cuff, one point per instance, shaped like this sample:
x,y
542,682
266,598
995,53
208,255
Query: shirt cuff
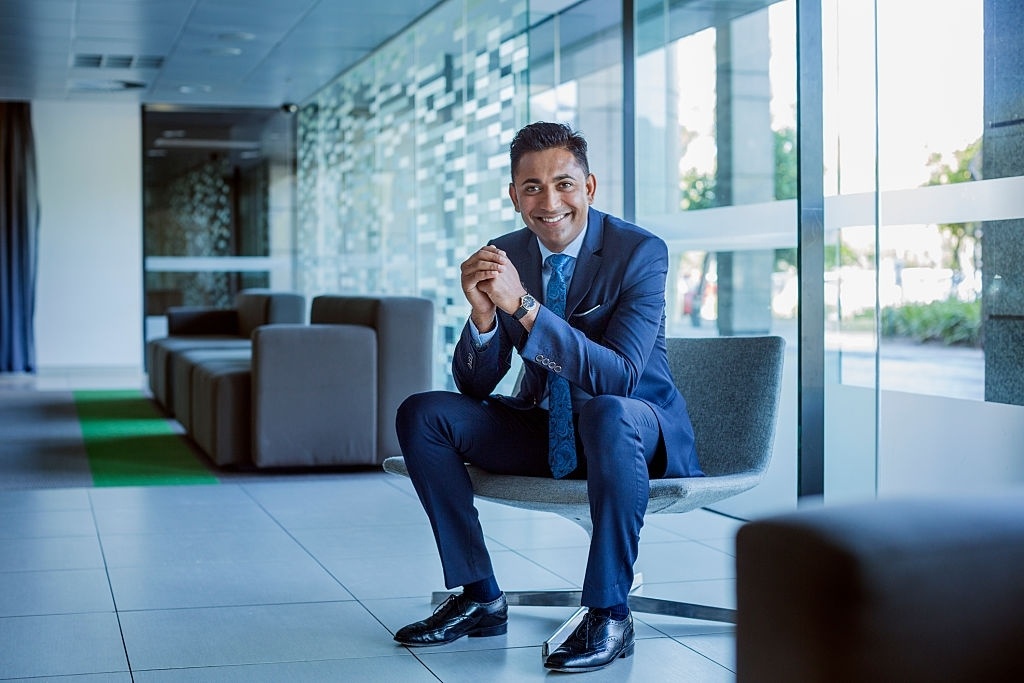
x,y
481,339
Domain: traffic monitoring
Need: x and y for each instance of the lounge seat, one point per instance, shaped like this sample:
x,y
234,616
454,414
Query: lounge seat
x,y
204,327
318,395
910,590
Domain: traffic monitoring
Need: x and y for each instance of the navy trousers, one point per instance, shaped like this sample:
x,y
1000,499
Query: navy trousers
x,y
617,439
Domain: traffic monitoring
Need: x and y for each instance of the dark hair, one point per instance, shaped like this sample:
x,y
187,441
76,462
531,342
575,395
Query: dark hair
x,y
536,137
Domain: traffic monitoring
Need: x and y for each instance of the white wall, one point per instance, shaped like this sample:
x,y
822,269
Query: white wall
x,y
89,291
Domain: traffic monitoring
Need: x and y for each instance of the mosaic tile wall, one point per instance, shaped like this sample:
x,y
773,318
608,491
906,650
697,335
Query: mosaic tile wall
x,y
403,162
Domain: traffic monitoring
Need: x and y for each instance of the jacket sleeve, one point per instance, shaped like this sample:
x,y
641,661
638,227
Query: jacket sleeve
x,y
478,369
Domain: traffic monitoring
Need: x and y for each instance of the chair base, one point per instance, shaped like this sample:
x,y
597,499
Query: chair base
x,y
637,603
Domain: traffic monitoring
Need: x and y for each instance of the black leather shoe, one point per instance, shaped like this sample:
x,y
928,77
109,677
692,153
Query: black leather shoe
x,y
456,617
597,642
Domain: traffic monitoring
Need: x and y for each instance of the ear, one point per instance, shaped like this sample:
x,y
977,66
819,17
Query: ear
x,y
591,188
513,196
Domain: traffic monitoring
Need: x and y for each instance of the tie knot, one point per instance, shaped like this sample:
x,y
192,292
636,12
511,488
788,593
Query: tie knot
x,y
559,263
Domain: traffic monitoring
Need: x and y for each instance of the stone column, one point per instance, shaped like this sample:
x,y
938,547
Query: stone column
x,y
1002,245
746,168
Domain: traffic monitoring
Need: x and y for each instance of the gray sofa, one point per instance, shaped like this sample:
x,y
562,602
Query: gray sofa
x,y
309,395
205,328
895,590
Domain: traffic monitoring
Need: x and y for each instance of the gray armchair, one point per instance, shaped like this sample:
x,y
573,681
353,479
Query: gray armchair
x,y
732,387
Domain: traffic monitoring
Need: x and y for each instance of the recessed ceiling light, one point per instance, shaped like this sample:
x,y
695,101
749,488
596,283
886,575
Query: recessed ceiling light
x,y
190,89
239,36
104,85
223,51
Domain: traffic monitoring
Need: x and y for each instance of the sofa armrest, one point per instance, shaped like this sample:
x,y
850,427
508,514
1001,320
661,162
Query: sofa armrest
x,y
911,590
265,307
314,395
405,343
200,320
405,349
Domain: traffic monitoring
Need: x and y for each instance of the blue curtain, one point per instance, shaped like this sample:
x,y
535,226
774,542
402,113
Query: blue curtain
x,y
19,238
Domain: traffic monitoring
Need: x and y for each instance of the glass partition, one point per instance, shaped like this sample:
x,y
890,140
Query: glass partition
x,y
715,164
923,233
218,206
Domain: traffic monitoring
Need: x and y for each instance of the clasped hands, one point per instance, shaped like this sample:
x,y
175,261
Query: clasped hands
x,y
490,282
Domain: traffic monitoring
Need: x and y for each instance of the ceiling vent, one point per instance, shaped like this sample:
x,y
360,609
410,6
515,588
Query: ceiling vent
x,y
88,60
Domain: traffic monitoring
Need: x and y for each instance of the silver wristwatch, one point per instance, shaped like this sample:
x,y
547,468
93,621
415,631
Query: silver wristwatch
x,y
526,304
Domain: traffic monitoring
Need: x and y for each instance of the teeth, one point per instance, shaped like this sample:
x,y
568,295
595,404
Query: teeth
x,y
554,219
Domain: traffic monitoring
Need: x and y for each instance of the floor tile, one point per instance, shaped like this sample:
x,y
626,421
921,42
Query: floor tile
x,y
332,504
697,525
49,464
539,531
192,548
216,584
46,524
222,636
86,643
43,554
399,667
720,648
120,677
690,561
54,592
165,517
33,500
378,541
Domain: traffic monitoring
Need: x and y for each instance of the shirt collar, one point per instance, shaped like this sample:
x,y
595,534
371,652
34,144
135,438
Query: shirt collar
x,y
573,249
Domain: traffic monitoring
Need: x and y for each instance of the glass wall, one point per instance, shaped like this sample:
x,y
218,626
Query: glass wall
x,y
922,172
404,162
691,113
715,165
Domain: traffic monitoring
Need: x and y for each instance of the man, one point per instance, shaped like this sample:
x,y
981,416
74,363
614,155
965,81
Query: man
x,y
605,351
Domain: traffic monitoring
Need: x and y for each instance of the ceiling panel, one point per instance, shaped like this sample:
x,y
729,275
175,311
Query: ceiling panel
x,y
209,52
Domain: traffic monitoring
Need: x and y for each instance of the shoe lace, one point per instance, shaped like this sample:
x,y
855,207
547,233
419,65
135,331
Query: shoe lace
x,y
582,632
452,602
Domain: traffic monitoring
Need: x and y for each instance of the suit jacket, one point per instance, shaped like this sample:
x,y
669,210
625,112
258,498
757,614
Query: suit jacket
x,y
611,342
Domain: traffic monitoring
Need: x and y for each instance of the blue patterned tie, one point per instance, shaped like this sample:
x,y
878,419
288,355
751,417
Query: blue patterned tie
x,y
561,437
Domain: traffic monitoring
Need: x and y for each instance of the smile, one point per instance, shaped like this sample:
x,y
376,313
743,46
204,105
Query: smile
x,y
553,219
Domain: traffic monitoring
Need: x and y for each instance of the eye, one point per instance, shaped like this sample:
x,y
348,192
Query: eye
x,y
566,185
531,189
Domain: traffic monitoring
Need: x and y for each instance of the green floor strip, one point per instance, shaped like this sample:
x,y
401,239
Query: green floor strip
x,y
131,444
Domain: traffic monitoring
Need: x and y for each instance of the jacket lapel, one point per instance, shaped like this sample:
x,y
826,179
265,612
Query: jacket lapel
x,y
588,263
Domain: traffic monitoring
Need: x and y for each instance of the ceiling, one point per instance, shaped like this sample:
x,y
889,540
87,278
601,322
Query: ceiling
x,y
223,53
251,53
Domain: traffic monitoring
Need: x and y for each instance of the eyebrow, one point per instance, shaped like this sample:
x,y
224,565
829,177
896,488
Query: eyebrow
x,y
538,181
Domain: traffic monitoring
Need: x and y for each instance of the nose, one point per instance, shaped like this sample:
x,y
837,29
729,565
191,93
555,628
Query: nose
x,y
549,200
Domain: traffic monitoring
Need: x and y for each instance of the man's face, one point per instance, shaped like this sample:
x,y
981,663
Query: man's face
x,y
553,194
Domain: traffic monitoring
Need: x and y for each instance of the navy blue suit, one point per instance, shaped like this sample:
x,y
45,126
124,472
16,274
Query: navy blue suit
x,y
631,421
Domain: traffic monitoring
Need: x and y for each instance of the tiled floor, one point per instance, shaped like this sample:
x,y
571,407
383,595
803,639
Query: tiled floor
x,y
306,578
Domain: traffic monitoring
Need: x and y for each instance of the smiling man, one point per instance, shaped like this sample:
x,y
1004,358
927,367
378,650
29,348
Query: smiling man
x,y
580,296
